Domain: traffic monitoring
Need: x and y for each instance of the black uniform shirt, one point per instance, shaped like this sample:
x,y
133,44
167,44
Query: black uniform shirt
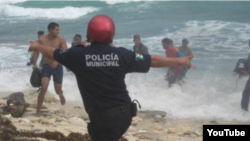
x,y
100,72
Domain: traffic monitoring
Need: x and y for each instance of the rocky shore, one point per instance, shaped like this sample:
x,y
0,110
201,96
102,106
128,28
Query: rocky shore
x,y
72,119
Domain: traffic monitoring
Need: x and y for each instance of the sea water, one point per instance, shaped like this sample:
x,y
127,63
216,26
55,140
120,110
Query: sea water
x,y
218,33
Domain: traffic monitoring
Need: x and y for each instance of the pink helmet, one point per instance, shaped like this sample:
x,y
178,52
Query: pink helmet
x,y
101,28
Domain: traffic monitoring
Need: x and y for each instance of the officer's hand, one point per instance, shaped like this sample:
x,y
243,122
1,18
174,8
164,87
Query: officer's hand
x,y
186,61
84,43
33,46
244,73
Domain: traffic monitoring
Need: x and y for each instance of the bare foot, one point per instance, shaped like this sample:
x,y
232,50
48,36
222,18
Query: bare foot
x,y
37,114
62,99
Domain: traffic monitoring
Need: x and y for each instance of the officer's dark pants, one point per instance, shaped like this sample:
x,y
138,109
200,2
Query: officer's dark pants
x,y
246,96
111,128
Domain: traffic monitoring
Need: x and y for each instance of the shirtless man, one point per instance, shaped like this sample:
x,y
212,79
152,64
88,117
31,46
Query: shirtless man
x,y
51,67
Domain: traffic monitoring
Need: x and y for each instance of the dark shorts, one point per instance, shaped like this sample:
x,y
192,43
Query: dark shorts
x,y
246,96
111,128
176,71
57,73
172,79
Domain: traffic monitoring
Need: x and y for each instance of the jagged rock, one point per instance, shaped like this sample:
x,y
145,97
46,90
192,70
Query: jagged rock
x,y
84,116
61,119
4,121
130,138
7,116
161,121
59,112
158,116
132,133
213,121
45,121
77,107
53,120
156,127
172,138
77,122
197,133
1,111
35,106
151,114
24,120
142,131
131,128
150,136
136,119
180,129
47,113
54,124
63,123
37,130
2,104
50,98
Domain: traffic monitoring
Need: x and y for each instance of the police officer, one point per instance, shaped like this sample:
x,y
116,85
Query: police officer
x,y
100,71
246,93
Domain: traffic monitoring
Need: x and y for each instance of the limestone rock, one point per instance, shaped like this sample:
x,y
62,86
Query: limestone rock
x,y
180,129
37,130
50,98
77,122
130,138
77,107
131,128
197,133
158,116
35,106
156,127
84,116
161,121
7,116
63,124
5,120
59,112
150,136
23,120
136,120
54,124
61,119
45,121
172,138
53,120
151,114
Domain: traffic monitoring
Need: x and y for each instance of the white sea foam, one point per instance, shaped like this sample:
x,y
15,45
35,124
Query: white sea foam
x,y
211,34
12,1
119,1
122,1
50,13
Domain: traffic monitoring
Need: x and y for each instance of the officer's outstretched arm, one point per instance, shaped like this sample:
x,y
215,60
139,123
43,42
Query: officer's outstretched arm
x,y
159,61
45,50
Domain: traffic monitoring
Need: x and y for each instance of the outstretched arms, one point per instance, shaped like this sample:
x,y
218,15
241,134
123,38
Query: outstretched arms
x,y
159,61
46,51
